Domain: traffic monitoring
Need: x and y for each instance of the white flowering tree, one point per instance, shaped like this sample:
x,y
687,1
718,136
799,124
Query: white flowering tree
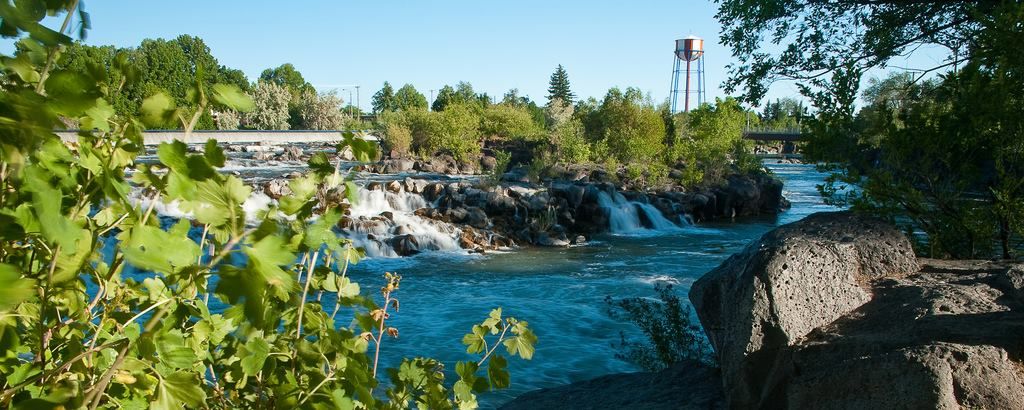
x,y
270,110
321,111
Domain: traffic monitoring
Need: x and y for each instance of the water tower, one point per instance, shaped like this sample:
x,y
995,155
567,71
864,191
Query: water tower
x,y
689,50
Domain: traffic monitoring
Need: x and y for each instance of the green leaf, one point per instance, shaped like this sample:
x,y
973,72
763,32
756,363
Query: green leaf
x,y
497,372
13,288
351,192
214,153
46,201
177,389
320,165
523,343
22,67
347,288
71,93
341,402
214,328
266,258
174,155
474,341
157,110
492,321
151,248
173,351
232,97
98,116
254,355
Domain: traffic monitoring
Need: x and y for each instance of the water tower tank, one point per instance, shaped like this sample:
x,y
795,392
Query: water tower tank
x,y
690,48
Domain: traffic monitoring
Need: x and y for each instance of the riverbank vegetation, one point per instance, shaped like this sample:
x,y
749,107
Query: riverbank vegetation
x,y
625,132
106,304
941,155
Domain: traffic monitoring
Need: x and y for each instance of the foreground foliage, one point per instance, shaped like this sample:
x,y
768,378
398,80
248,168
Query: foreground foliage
x,y
104,304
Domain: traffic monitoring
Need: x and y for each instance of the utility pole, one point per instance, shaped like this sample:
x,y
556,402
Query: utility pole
x,y
430,105
359,110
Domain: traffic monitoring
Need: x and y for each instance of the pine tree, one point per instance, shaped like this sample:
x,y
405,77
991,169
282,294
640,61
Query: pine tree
x,y
384,100
559,87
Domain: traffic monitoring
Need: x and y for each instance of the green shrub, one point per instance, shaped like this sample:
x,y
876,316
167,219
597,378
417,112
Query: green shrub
x,y
631,126
456,131
509,123
570,143
395,132
670,336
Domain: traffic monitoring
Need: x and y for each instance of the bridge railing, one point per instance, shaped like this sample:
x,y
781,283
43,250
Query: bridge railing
x,y
771,130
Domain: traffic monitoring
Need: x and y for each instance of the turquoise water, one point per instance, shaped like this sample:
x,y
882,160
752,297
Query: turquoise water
x,y
561,292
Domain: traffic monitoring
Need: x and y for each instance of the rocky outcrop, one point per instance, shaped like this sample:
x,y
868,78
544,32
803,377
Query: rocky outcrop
x,y
835,312
686,385
442,164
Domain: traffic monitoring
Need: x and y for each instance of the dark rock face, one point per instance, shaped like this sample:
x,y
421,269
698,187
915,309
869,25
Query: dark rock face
x,y
834,312
684,386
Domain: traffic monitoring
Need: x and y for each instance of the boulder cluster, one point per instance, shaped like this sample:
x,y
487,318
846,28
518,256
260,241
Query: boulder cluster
x,y
561,214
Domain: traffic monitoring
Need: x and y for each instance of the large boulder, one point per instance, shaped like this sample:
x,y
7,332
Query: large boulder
x,y
834,312
949,337
794,279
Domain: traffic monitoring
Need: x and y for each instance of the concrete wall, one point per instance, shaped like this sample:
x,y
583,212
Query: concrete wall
x,y
233,137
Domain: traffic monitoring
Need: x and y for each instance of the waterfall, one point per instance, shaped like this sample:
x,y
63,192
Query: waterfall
x,y
624,215
385,224
654,216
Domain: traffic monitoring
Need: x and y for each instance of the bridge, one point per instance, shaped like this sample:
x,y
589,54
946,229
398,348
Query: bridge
x,y
773,134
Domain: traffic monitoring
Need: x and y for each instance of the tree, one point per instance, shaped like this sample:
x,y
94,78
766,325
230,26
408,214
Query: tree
x,y
444,97
558,87
271,107
631,127
407,98
384,99
939,157
227,120
462,94
287,76
512,98
713,140
569,143
815,39
321,111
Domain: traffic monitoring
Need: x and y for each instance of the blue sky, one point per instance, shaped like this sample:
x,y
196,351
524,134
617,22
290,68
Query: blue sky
x,y
493,45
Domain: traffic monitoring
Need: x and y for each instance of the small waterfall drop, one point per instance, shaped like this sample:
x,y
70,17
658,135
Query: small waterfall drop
x,y
624,215
385,224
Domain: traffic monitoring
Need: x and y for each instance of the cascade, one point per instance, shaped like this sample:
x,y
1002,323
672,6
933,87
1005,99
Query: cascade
x,y
624,215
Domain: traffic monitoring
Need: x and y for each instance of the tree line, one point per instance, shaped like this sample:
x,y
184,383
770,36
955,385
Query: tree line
x,y
623,130
283,98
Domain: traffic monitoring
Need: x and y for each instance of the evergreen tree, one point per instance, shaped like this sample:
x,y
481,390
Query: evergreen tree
x,y
558,87
384,100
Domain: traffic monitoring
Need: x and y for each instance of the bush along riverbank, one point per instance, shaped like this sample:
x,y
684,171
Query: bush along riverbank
x,y
836,312
555,206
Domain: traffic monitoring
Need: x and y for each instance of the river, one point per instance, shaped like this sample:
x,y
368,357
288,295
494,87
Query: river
x,y
561,291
